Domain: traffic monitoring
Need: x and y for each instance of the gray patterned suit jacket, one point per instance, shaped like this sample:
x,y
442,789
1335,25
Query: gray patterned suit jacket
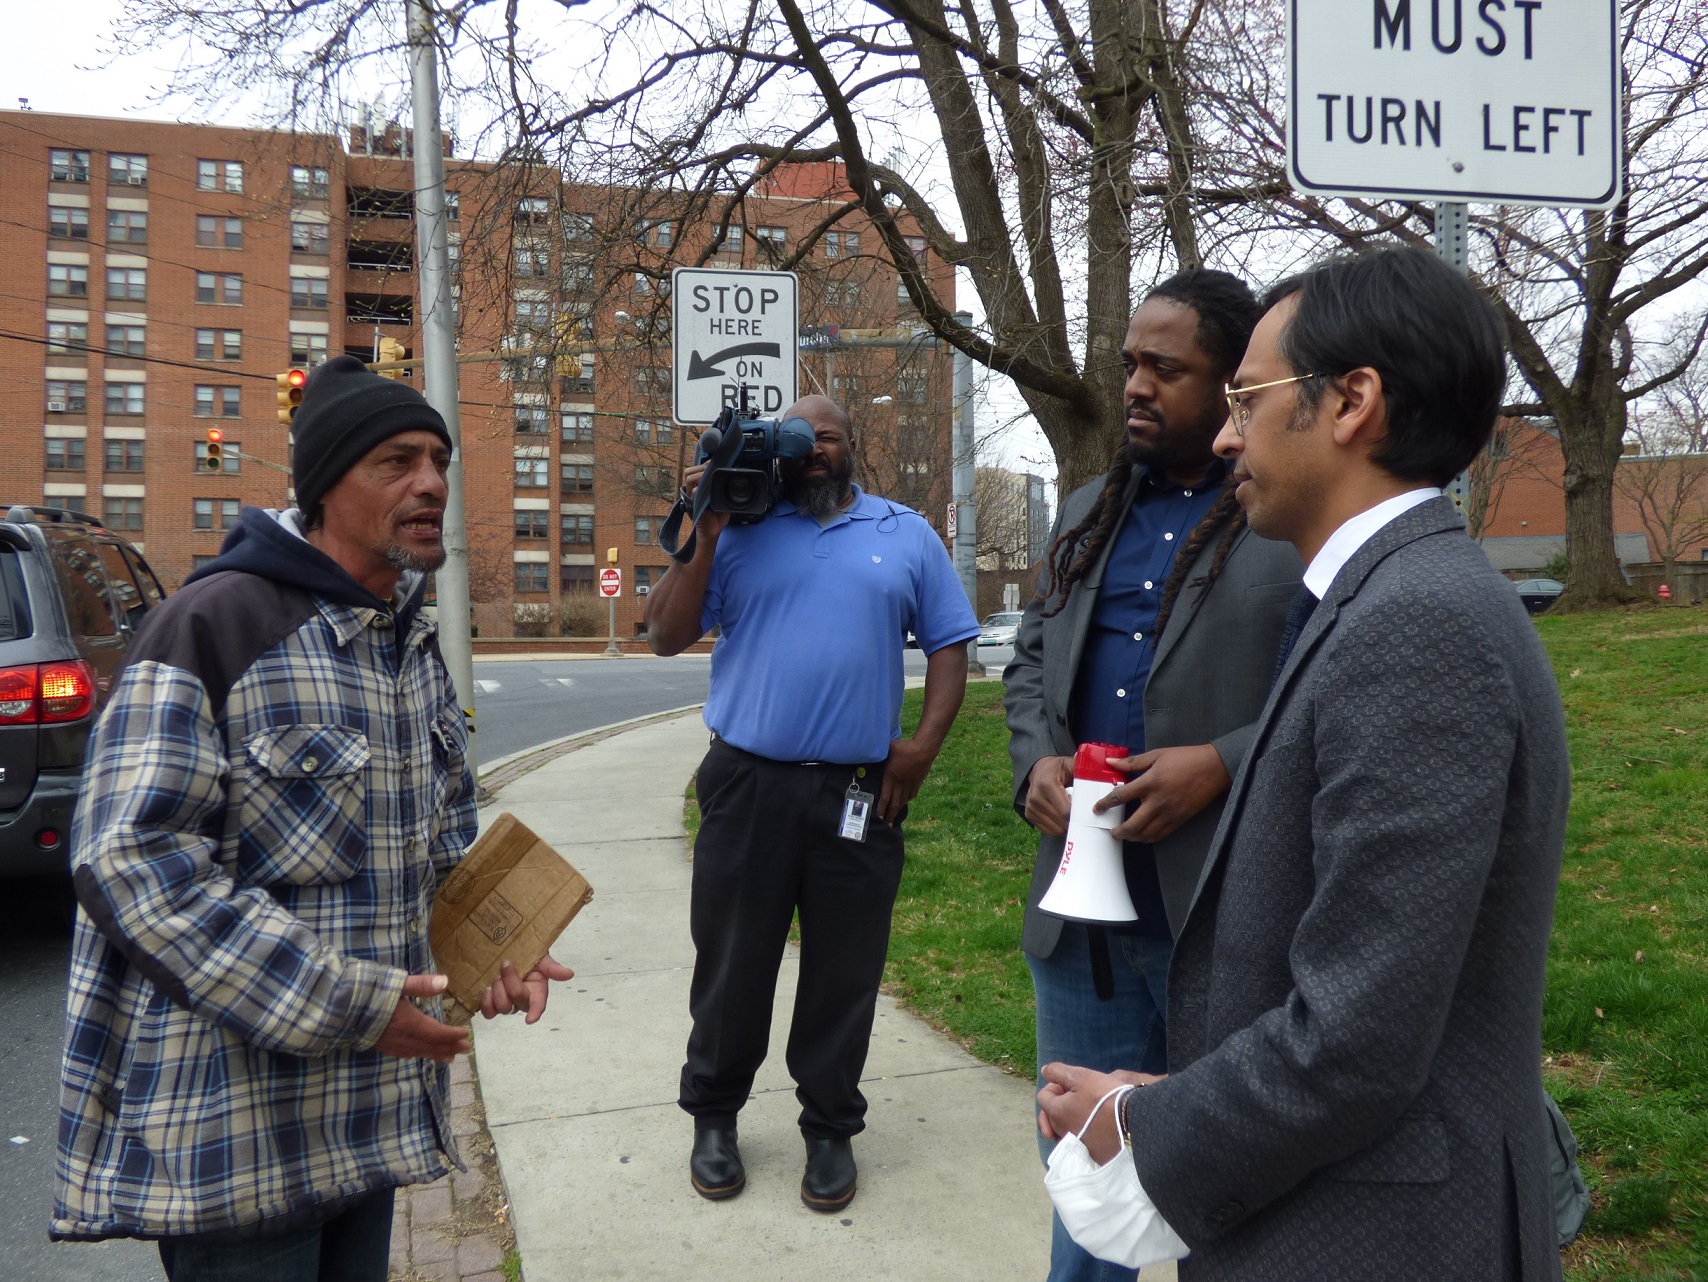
x,y
1355,1000
1208,682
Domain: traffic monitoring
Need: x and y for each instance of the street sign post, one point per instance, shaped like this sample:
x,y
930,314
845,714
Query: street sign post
x,y
735,336
1456,100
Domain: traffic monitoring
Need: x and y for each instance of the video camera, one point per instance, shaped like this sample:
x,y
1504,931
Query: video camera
x,y
744,463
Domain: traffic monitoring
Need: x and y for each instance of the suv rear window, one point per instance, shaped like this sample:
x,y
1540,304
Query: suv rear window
x,y
85,585
14,600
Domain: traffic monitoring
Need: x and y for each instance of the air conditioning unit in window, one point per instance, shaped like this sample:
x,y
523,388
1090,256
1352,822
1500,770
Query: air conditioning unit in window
x,y
136,180
641,589
56,407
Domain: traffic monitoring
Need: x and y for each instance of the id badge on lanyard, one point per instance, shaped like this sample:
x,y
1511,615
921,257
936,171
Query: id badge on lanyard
x,y
856,813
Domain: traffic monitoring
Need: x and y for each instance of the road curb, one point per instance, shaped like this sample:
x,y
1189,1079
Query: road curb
x,y
508,769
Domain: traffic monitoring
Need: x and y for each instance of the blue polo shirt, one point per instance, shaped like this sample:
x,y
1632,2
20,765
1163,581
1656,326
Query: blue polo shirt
x,y
1109,690
809,663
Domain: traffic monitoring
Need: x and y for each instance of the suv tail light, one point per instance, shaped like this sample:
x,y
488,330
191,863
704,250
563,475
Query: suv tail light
x,y
46,693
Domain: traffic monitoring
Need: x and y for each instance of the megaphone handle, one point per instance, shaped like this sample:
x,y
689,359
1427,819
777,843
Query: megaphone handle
x,y
1102,972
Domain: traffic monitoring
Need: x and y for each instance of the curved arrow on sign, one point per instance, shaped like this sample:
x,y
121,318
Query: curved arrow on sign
x,y
707,366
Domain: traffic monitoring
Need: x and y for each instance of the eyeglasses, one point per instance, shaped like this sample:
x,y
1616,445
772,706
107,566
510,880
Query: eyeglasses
x,y
1239,415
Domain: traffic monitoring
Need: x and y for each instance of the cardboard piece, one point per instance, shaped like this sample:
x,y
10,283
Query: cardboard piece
x,y
507,901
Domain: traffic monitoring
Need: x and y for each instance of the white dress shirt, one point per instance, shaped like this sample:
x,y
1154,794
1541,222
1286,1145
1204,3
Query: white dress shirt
x,y
1356,532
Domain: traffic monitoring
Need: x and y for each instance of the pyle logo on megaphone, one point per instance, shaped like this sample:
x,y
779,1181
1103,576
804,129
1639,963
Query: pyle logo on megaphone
x,y
1091,883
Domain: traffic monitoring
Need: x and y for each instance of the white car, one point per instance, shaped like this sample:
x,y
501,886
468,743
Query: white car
x,y
1000,629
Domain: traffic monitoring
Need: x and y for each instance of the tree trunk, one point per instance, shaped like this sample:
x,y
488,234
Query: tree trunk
x,y
1591,448
1669,576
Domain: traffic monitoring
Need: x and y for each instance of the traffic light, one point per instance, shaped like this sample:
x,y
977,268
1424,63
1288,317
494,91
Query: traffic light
x,y
390,351
215,460
290,395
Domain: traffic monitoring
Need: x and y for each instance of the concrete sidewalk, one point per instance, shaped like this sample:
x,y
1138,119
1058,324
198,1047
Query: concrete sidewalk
x,y
582,1107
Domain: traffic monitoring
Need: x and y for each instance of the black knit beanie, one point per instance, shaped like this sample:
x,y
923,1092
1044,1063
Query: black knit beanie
x,y
345,412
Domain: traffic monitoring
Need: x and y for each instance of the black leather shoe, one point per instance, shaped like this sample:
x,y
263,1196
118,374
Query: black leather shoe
x,y
829,1181
715,1167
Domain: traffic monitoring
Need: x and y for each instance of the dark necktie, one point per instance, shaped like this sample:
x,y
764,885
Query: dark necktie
x,y
1298,615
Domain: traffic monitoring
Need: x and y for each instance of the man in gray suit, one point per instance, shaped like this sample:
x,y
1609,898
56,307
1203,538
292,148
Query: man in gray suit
x,y
1355,999
1157,629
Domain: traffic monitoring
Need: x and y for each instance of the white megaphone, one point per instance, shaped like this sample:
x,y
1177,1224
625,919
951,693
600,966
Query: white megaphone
x,y
1091,884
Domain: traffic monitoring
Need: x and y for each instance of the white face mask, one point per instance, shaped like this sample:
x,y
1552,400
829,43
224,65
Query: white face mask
x,y
1104,1208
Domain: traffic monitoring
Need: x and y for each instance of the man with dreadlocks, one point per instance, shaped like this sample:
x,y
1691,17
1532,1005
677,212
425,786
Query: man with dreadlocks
x,y
1156,627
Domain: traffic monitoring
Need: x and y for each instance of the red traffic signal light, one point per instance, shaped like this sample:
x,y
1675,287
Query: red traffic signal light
x,y
290,393
214,459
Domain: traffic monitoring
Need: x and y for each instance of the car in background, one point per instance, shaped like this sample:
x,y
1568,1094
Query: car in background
x,y
1539,594
1001,628
72,595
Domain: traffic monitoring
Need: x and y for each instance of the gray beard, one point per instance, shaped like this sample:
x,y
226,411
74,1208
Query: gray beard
x,y
425,564
821,498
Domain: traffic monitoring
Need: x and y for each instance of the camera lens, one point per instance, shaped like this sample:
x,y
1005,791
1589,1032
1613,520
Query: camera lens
x,y
740,491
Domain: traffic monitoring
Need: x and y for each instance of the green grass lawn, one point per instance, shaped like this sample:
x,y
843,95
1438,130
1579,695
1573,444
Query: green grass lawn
x,y
1626,1024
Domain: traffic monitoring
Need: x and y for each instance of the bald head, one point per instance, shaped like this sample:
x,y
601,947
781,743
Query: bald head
x,y
821,411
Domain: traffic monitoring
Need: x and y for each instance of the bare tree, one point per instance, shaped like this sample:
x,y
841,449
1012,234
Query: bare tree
x,y
1666,481
1517,448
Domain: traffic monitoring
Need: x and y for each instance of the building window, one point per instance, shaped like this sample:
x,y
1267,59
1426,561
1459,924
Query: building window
x,y
577,228
219,287
67,281
577,329
64,455
230,461
577,427
67,336
124,456
533,525
646,530
311,238
217,232
129,283
651,381
68,166
647,577
308,349
525,369
533,211
215,514
308,291
67,224
122,514
533,316
310,183
912,386
67,395
578,275
842,293
125,398
577,478
841,244
125,340
577,578
733,239
219,175
453,205
654,482
125,170
533,576
219,344
218,402
127,226
582,382
577,529
533,420
654,431
847,389
658,232
772,240
533,262
533,473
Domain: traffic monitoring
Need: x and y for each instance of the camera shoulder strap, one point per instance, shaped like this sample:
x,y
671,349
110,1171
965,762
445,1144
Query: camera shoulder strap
x,y
671,530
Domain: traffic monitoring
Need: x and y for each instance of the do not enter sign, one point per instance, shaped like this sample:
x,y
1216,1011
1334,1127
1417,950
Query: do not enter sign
x,y
610,582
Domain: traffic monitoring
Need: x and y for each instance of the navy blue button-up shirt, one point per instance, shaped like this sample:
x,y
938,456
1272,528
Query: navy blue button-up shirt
x,y
1109,691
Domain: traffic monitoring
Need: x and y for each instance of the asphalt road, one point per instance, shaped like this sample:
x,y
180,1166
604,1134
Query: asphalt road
x,y
520,703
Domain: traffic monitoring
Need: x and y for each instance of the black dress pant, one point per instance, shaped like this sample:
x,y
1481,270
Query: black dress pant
x,y
769,845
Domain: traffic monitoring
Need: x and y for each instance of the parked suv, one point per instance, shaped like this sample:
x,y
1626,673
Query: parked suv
x,y
72,595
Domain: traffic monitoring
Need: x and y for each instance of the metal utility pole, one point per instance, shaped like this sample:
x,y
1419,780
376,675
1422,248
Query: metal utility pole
x,y
965,549
1452,224
439,348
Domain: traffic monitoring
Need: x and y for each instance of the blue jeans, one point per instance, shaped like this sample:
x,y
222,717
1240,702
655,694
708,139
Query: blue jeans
x,y
1127,1031
354,1246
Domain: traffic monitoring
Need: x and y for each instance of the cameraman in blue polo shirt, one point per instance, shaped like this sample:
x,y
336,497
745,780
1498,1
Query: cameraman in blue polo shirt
x,y
804,789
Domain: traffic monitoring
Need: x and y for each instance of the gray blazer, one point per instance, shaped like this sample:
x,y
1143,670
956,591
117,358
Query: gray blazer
x,y
1355,1001
1207,684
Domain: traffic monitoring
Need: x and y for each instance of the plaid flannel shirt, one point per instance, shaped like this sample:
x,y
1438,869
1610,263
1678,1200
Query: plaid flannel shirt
x,y
261,876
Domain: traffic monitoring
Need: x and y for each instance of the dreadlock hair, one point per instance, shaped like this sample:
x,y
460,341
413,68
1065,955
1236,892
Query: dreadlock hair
x,y
1227,313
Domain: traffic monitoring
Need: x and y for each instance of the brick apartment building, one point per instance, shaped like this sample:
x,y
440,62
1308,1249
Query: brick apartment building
x,y
180,268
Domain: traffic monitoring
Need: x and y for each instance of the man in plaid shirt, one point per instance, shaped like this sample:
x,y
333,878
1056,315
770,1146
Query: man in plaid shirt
x,y
274,793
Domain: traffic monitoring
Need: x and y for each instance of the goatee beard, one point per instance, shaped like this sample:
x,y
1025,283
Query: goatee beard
x,y
421,563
